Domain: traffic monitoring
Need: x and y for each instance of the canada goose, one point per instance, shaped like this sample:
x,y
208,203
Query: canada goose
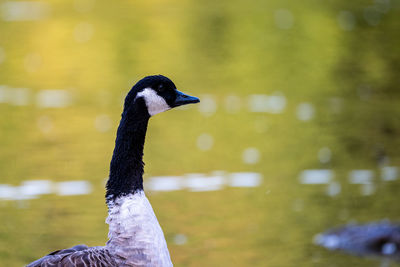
x,y
135,236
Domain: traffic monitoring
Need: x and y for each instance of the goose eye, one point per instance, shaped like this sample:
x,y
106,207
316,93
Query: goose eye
x,y
161,88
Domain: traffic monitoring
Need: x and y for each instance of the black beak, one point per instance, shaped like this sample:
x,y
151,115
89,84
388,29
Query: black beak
x,y
183,99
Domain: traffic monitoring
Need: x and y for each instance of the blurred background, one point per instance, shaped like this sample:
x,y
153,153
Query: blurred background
x,y
298,128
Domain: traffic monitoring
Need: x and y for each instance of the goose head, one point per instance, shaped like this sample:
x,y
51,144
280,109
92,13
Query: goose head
x,y
159,94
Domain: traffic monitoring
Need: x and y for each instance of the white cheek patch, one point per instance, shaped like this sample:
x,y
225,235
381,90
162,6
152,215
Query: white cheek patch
x,y
155,103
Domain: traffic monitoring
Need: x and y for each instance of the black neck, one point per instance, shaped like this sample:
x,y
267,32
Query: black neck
x,y
126,168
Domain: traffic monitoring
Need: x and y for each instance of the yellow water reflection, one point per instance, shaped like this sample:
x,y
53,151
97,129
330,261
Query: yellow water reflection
x,y
301,97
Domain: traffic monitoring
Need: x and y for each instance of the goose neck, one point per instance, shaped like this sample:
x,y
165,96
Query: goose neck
x,y
126,168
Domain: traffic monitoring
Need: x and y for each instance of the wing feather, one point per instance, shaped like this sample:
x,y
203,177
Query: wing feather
x,y
78,256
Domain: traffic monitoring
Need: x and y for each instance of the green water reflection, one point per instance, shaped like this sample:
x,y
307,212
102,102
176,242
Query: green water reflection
x,y
286,86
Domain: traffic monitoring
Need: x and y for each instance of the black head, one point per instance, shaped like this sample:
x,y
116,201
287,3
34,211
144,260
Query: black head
x,y
159,93
149,96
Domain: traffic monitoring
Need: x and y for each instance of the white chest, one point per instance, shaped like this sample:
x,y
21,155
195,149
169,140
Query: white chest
x,y
135,234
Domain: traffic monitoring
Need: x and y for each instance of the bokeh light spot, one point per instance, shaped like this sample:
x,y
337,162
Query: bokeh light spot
x,y
102,123
283,19
305,111
32,62
53,98
333,189
71,188
275,103
83,32
24,10
324,155
180,239
346,20
205,142
389,173
251,155
207,105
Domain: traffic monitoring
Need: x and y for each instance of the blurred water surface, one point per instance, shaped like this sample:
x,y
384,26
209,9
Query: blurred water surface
x,y
297,132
